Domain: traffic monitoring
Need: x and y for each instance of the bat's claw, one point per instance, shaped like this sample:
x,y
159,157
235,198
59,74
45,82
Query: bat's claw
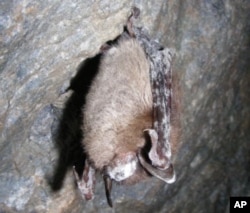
x,y
136,12
130,23
108,188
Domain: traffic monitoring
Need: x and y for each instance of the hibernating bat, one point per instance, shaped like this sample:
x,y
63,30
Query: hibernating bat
x,y
129,130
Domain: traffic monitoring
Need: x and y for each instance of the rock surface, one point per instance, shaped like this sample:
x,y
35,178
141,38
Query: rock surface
x,y
42,45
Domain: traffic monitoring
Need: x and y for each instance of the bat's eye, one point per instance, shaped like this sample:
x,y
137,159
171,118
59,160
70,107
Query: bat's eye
x,y
120,175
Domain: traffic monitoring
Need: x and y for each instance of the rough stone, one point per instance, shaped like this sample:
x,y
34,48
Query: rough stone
x,y
43,45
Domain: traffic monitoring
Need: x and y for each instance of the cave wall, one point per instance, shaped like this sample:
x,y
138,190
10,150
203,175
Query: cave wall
x,y
43,45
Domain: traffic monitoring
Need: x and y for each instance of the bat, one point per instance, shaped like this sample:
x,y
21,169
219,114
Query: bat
x,y
128,125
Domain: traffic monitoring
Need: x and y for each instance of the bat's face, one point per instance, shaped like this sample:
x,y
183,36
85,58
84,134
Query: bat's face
x,y
126,169
129,168
132,167
123,167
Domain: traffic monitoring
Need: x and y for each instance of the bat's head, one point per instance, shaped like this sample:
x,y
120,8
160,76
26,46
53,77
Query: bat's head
x,y
130,167
125,168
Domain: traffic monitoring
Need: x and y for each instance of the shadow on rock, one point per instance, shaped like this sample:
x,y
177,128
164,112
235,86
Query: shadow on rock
x,y
68,133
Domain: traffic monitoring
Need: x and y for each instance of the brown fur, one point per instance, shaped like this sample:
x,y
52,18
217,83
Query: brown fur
x,y
119,104
119,108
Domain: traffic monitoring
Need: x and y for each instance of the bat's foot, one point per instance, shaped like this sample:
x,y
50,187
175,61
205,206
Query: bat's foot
x,y
87,182
136,12
130,23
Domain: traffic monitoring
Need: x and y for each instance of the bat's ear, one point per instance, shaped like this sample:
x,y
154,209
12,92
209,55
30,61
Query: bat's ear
x,y
167,175
86,183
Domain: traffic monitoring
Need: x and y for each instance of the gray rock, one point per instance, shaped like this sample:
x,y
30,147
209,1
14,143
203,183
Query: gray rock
x,y
42,45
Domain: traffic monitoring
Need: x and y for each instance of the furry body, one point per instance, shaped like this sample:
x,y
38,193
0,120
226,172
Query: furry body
x,y
118,109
